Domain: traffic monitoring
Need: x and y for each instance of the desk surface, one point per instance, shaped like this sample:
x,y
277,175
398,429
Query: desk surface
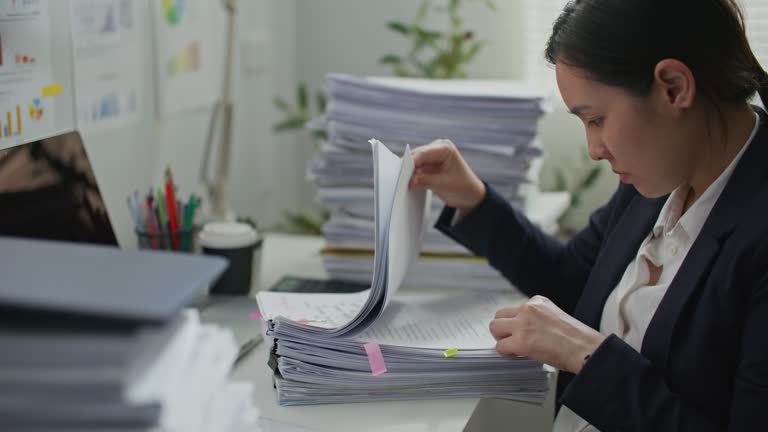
x,y
299,255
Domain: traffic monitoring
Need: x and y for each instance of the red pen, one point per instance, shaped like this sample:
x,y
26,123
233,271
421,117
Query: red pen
x,y
170,198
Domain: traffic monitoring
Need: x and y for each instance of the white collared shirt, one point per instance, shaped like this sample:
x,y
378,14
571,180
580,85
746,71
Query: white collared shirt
x,y
631,305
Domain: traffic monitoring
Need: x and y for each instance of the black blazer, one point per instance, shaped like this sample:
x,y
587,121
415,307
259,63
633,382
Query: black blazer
x,y
703,365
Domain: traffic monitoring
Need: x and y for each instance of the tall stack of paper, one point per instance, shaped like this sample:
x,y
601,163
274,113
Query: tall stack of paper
x,y
85,347
494,125
371,345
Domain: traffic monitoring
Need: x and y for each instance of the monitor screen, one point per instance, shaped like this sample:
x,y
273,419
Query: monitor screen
x,y
48,190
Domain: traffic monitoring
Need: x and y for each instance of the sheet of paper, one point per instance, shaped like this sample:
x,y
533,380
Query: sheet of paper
x,y
386,168
440,321
400,219
319,310
407,226
463,88
108,62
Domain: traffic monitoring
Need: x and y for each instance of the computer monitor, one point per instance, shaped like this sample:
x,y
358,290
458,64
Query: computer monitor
x,y
48,190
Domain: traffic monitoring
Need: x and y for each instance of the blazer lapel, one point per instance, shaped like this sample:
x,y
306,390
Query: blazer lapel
x,y
734,202
620,248
658,335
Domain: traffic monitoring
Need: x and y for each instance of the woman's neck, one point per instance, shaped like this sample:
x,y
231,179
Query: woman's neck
x,y
720,147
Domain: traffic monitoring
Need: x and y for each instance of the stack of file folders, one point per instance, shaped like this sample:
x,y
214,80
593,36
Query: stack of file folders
x,y
95,338
494,124
377,345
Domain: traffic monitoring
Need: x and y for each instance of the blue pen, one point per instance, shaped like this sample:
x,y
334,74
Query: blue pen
x,y
134,213
137,206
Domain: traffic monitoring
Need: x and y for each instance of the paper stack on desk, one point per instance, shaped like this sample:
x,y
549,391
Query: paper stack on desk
x,y
371,345
94,338
493,123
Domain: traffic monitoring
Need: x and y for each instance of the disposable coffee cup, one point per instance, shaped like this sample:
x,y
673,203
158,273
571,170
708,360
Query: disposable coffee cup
x,y
240,244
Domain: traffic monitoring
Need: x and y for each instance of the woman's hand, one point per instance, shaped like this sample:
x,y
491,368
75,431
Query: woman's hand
x,y
440,167
542,331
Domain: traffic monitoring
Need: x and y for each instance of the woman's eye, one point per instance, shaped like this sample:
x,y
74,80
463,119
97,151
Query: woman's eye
x,y
595,122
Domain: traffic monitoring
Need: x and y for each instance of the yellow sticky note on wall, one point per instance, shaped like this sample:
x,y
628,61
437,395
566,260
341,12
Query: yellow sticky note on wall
x,y
52,90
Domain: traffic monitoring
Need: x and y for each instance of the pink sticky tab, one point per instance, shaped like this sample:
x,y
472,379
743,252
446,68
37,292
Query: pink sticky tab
x,y
375,358
257,316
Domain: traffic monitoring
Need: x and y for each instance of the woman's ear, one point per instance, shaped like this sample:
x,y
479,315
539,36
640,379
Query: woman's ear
x,y
675,82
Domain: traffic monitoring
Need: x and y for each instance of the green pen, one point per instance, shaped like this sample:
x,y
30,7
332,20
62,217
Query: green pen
x,y
189,218
184,228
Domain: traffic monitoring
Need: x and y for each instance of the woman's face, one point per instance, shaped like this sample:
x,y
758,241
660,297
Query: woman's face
x,y
643,142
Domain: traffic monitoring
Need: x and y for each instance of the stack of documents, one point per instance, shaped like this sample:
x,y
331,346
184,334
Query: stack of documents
x,y
493,123
373,345
95,338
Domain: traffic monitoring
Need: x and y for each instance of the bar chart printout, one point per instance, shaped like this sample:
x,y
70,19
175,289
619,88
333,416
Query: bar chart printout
x,y
27,111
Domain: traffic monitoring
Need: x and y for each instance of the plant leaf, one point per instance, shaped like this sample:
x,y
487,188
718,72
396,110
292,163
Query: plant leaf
x,y
301,222
428,35
282,105
470,54
399,27
322,102
319,135
390,59
289,124
401,71
301,97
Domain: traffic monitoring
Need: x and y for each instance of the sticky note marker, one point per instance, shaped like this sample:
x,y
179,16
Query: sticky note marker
x,y
375,358
52,90
257,316
450,352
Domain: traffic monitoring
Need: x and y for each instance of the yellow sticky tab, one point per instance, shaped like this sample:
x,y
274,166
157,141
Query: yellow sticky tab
x,y
52,90
451,352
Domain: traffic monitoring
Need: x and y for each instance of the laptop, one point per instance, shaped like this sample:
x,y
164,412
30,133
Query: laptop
x,y
49,191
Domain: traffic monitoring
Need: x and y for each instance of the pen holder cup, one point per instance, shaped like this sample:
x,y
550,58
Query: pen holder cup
x,y
180,241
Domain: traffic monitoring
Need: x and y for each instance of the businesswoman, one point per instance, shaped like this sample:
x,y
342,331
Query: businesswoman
x,y
656,313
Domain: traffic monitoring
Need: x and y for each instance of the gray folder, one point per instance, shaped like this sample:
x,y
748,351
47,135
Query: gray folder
x,y
100,281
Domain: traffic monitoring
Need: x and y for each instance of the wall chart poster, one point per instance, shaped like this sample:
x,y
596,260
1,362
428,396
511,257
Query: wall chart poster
x,y
186,63
26,80
108,63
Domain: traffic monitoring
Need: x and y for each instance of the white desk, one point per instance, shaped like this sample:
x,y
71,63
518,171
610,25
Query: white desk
x,y
299,255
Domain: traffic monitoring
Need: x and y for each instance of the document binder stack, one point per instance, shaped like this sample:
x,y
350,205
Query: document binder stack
x,y
493,123
94,338
375,345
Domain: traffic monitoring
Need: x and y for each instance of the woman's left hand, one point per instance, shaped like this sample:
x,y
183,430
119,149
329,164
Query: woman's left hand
x,y
542,331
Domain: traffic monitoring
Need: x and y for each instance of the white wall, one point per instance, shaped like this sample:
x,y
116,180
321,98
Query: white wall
x,y
303,41
136,155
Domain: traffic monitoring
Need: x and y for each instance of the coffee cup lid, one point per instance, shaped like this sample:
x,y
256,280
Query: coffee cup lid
x,y
227,235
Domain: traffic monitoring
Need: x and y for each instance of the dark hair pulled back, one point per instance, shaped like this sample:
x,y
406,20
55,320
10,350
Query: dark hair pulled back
x,y
620,42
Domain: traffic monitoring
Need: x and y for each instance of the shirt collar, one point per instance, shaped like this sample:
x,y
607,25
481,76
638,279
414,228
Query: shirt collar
x,y
669,220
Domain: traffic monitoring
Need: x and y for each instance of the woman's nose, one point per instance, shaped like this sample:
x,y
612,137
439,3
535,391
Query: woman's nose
x,y
597,149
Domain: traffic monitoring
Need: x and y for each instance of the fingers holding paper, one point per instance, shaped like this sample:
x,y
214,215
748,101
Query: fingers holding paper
x,y
540,330
440,167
